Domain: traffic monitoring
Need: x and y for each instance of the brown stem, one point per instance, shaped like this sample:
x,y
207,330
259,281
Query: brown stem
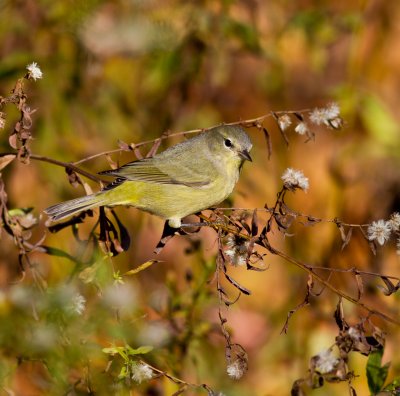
x,y
307,268
68,165
249,122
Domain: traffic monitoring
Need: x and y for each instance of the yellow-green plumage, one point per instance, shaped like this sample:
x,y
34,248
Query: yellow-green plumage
x,y
182,180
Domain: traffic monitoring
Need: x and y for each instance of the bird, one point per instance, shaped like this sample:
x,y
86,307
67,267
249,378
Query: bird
x,y
182,180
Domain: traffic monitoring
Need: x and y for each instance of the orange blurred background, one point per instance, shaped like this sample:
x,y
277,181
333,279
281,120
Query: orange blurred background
x,y
130,70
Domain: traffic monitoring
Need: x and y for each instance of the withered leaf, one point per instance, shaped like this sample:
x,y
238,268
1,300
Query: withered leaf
x,y
254,224
311,221
123,233
110,236
12,140
372,247
78,219
342,231
111,162
73,177
299,116
180,390
390,286
137,152
154,148
227,301
124,146
339,316
268,140
6,159
360,286
347,238
237,285
283,133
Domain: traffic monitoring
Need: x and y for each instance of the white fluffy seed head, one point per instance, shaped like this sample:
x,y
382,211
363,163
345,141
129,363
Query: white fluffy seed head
x,y
379,231
293,179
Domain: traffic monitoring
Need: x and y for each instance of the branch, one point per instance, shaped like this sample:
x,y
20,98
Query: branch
x,y
252,122
66,165
305,267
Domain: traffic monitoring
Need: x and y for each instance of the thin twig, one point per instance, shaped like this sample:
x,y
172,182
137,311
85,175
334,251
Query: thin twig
x,y
247,123
307,268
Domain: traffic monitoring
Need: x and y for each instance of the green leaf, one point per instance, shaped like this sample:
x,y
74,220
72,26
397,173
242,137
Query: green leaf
x,y
19,211
88,275
380,122
393,386
376,373
52,251
139,351
110,351
123,373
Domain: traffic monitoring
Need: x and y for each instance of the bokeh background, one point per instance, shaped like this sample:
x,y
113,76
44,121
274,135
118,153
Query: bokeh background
x,y
132,69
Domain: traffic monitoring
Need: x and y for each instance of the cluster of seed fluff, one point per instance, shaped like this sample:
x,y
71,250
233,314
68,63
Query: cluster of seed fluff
x,y
327,116
141,372
293,179
381,230
325,361
236,251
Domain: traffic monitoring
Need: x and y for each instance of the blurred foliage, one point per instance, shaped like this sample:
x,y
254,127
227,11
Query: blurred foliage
x,y
130,70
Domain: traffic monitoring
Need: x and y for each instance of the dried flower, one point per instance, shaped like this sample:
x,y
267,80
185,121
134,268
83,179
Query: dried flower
x,y
141,372
301,128
332,111
354,333
293,179
34,71
395,221
237,252
28,221
236,369
284,122
325,362
329,116
77,304
380,231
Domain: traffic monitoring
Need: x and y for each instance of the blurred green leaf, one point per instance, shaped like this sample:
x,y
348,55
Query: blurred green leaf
x,y
394,386
139,351
52,251
142,267
376,373
379,121
246,33
19,211
123,373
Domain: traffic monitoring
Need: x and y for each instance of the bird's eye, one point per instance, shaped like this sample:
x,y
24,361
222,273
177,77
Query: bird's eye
x,y
228,143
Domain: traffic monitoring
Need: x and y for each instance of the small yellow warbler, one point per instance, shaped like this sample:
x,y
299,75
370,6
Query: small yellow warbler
x,y
182,180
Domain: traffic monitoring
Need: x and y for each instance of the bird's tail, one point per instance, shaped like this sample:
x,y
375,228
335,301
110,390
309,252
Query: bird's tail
x,y
69,208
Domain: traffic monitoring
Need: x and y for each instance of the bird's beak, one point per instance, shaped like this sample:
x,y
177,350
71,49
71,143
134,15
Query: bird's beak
x,y
245,155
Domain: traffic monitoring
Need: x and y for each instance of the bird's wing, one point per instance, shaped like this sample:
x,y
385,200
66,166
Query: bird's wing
x,y
148,170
